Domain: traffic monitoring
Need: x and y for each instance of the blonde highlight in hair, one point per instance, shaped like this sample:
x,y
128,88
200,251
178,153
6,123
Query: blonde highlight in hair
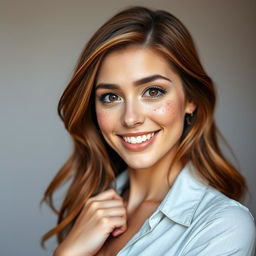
x,y
93,165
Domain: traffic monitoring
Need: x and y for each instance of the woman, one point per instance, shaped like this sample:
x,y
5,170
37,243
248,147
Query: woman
x,y
147,174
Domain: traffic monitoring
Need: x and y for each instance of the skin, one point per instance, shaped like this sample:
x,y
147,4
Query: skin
x,y
130,109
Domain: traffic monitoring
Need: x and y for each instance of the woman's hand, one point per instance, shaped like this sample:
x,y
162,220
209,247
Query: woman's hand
x,y
102,215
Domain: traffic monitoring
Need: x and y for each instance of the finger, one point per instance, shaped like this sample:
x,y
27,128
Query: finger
x,y
119,224
118,230
109,203
107,194
111,212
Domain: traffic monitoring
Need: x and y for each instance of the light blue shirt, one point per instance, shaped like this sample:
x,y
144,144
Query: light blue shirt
x,y
194,219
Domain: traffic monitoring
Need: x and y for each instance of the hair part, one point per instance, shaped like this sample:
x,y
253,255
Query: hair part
x,y
93,165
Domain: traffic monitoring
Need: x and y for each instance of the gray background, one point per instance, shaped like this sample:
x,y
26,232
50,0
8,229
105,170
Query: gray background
x,y
39,45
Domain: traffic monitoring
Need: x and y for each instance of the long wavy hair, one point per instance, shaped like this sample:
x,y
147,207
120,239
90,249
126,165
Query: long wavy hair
x,y
93,165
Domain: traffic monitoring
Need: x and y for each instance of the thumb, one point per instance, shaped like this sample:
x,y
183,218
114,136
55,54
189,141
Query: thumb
x,y
118,231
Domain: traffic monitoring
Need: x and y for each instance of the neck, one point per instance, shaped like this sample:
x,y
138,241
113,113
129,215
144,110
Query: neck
x,y
151,184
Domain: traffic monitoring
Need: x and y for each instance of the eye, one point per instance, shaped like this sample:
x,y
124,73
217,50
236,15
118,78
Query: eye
x,y
154,92
109,98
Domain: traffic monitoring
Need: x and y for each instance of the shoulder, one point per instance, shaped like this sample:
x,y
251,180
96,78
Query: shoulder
x,y
214,203
224,213
221,225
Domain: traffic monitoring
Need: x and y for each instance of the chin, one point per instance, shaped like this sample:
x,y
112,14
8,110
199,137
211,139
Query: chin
x,y
140,163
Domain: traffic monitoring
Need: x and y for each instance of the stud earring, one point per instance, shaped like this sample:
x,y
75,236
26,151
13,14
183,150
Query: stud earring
x,y
189,118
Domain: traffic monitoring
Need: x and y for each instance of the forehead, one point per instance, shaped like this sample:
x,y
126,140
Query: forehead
x,y
132,63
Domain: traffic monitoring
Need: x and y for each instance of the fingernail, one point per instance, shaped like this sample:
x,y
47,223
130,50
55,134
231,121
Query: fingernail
x,y
117,232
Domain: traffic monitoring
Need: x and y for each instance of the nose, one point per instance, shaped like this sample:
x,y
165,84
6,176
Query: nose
x,y
133,115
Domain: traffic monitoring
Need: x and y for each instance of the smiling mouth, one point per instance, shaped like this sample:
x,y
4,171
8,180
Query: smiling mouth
x,y
138,139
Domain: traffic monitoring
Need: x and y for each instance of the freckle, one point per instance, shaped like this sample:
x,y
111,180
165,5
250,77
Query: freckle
x,y
160,110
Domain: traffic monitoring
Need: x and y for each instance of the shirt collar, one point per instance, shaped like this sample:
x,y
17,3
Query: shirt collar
x,y
181,201
183,198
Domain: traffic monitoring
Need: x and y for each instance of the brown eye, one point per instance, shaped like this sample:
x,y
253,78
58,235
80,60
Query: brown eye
x,y
112,97
109,98
154,92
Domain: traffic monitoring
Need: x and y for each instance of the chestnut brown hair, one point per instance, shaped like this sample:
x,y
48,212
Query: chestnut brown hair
x,y
93,164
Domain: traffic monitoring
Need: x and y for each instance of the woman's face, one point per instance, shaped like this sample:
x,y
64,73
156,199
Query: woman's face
x,y
140,105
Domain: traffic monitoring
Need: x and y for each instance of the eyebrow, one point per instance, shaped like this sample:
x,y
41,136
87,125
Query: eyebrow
x,y
141,81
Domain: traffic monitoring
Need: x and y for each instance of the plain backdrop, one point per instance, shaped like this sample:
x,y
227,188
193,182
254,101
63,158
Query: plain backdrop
x,y
40,42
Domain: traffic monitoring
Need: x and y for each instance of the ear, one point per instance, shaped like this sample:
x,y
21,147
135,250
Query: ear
x,y
190,107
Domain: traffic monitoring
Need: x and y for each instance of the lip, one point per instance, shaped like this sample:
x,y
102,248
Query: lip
x,y
138,146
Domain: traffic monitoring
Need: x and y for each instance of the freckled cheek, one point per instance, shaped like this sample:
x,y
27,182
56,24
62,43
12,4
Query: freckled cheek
x,y
167,112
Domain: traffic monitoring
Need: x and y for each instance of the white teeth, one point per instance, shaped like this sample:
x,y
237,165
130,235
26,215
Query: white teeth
x,y
138,139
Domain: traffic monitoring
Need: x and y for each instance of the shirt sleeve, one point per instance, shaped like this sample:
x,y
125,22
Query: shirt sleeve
x,y
230,232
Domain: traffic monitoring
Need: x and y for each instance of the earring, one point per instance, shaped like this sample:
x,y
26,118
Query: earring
x,y
189,118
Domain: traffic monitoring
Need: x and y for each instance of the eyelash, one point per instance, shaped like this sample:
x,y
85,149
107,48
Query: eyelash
x,y
159,89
